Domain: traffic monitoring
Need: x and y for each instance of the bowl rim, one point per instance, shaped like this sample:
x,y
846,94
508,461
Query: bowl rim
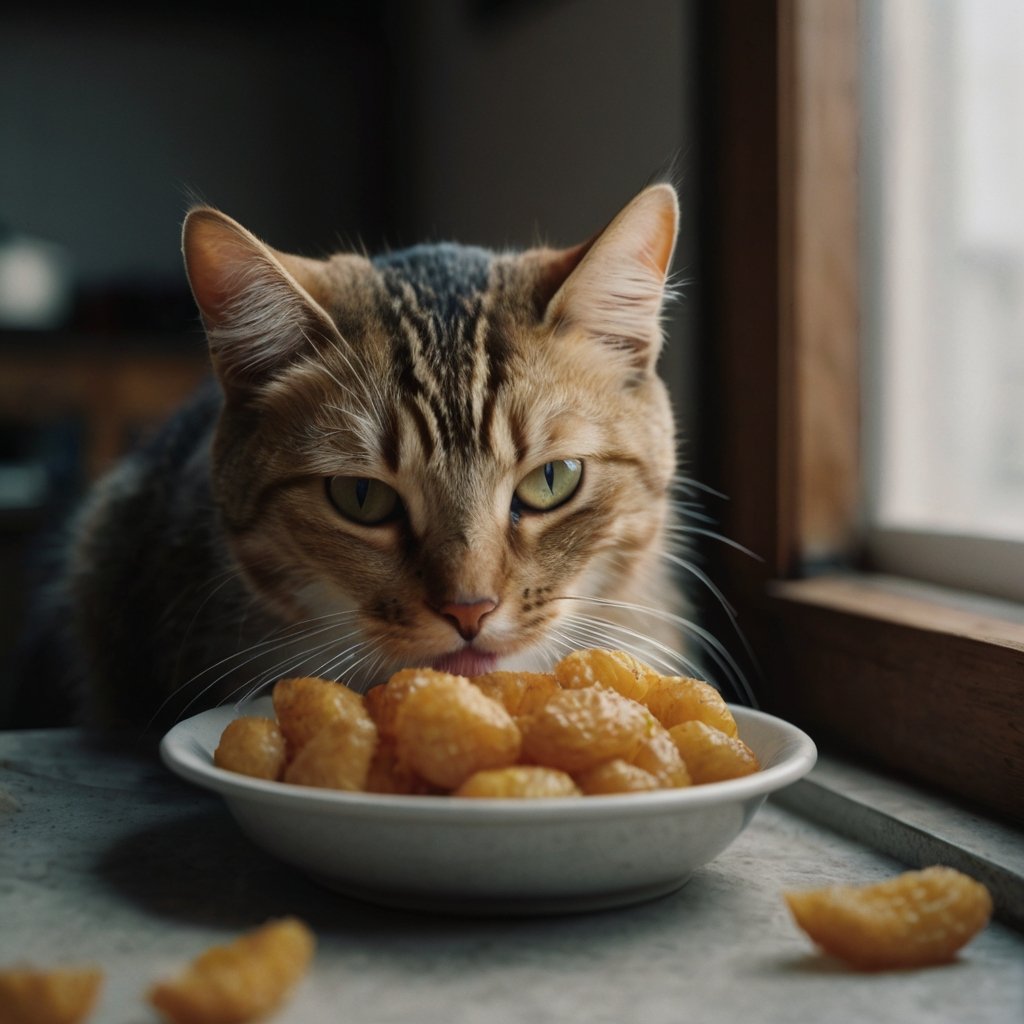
x,y
184,754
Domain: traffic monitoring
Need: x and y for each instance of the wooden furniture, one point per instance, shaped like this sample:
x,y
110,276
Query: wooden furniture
x,y
924,683
117,391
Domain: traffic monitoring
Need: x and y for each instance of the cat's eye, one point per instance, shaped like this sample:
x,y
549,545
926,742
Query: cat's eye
x,y
549,485
363,499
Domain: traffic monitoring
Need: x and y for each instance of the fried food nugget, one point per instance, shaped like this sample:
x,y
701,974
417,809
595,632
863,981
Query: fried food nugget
x,y
305,705
338,756
253,746
426,731
446,730
596,666
521,780
241,981
675,699
579,729
383,701
659,756
710,755
917,919
615,776
63,995
388,774
519,693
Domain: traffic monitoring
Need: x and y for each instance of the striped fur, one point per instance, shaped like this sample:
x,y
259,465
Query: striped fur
x,y
445,372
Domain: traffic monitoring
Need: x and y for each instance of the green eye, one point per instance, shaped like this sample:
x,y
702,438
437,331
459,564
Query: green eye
x,y
547,486
362,499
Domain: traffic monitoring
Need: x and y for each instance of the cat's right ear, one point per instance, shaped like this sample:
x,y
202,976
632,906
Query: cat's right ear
x,y
257,304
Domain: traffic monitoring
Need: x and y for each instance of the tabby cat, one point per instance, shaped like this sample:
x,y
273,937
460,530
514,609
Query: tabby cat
x,y
442,456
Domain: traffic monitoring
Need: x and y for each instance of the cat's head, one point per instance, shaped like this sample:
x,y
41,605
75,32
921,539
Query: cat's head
x,y
443,452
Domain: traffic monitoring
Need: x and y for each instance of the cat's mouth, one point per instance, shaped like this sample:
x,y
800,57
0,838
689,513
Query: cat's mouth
x,y
465,662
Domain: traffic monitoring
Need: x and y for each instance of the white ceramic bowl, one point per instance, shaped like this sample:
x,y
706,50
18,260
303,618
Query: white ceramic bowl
x,y
494,856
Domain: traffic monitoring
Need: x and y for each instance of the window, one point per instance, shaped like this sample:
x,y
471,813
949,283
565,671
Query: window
x,y
913,679
943,285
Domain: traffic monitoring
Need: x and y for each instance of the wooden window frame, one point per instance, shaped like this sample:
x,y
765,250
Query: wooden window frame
x,y
922,683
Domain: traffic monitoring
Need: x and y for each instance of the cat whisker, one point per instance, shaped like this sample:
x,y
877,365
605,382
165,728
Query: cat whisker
x,y
278,640
331,666
699,574
555,644
687,511
372,657
288,666
370,672
182,647
681,528
687,484
613,634
714,648
688,566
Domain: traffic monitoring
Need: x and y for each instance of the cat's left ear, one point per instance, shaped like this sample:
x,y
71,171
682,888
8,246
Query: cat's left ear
x,y
616,287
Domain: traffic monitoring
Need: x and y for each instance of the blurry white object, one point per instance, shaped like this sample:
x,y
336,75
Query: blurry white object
x,y
23,485
35,284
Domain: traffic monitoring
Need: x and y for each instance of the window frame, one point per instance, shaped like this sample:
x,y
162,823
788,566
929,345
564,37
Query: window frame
x,y
917,683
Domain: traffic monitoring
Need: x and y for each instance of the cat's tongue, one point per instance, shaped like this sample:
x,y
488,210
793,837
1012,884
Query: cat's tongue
x,y
465,663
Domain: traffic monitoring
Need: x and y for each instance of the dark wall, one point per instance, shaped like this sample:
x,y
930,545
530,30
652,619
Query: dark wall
x,y
111,124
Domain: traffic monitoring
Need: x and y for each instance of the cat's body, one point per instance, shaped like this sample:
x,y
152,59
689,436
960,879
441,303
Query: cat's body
x,y
443,456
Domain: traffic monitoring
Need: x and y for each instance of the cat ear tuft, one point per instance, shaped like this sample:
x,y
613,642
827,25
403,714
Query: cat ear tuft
x,y
257,304
616,283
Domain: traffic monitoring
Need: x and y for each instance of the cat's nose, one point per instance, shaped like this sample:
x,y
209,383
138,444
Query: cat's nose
x,y
466,616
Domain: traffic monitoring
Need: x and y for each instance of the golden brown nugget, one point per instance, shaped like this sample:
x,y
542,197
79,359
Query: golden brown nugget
x,y
446,730
388,774
579,729
305,705
710,755
675,699
519,781
383,701
62,995
659,755
374,700
519,693
241,981
252,746
917,919
616,776
337,757
596,666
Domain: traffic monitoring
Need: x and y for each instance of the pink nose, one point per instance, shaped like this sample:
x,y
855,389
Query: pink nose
x,y
466,616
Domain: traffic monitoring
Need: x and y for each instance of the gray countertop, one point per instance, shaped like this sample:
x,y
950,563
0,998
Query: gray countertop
x,y
105,857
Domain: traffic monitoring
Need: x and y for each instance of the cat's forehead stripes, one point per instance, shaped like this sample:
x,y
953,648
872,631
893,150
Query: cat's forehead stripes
x,y
441,277
450,359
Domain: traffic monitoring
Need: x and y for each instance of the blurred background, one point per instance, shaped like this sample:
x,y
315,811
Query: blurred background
x,y
320,126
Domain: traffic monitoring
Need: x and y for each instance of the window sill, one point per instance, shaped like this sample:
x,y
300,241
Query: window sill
x,y
920,682
914,826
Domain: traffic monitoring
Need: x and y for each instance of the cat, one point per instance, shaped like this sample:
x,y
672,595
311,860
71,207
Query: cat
x,y
440,456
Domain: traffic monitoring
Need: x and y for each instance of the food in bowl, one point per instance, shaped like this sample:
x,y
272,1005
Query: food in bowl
x,y
601,722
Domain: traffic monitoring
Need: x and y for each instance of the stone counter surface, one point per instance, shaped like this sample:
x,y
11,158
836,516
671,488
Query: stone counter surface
x,y
106,857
